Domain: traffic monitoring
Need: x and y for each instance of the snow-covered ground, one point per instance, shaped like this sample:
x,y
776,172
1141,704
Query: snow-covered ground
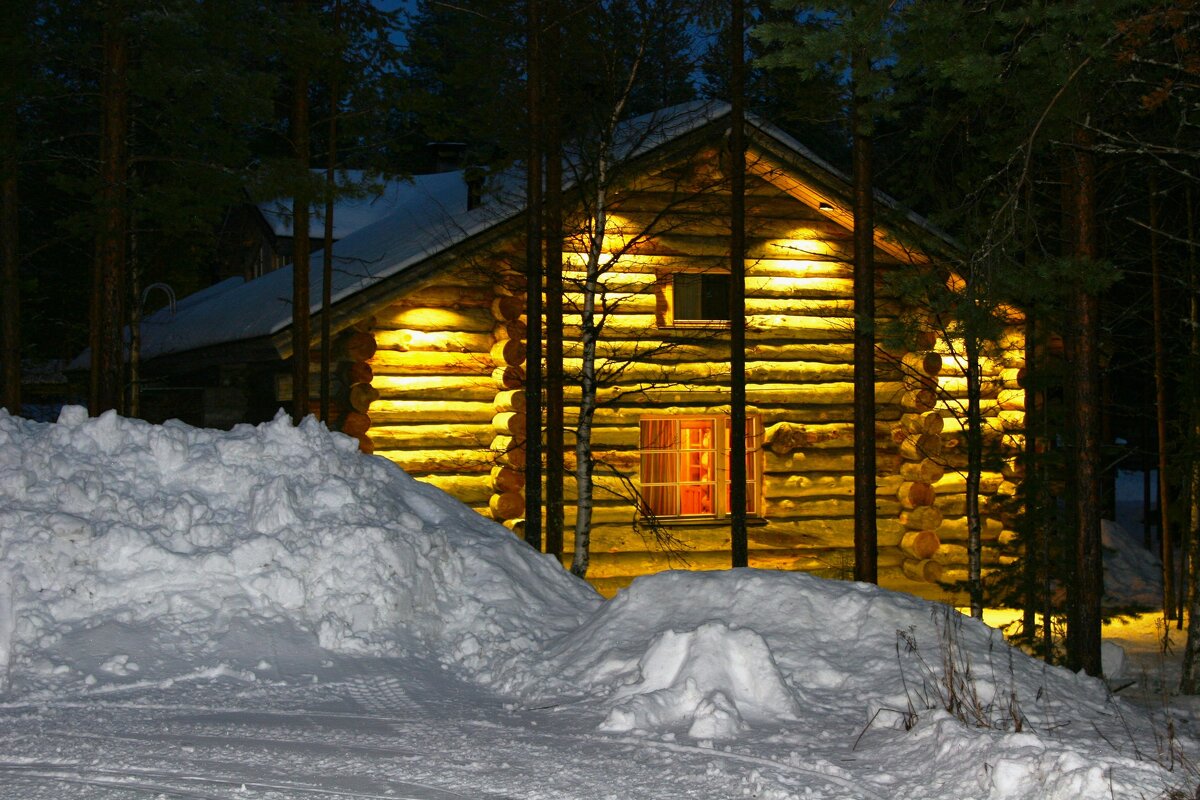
x,y
266,613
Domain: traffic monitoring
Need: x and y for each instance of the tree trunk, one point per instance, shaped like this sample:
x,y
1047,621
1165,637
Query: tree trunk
x,y
1083,632
971,345
327,251
584,465
10,276
301,247
739,542
108,301
533,281
866,546
1190,681
1160,416
555,427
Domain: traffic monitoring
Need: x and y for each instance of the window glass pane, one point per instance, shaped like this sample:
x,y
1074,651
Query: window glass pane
x,y
686,293
701,296
714,296
698,467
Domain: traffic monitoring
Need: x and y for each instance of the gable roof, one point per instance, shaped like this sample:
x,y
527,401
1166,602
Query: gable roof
x,y
430,217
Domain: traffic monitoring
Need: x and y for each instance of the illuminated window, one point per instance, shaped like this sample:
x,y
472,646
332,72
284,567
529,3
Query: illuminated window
x,y
700,297
685,466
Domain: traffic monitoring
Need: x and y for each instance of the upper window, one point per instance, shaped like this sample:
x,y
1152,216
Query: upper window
x,y
700,297
685,466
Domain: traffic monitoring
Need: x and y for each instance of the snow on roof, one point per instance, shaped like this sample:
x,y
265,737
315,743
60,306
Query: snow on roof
x,y
199,541
350,213
424,217
427,215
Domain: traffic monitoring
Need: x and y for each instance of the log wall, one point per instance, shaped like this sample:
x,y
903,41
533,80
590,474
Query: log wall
x,y
449,372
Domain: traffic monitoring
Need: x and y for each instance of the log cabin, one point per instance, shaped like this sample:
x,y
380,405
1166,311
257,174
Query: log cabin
x,y
429,349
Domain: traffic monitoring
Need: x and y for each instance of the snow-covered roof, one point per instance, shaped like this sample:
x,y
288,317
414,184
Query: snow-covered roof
x,y
426,216
350,213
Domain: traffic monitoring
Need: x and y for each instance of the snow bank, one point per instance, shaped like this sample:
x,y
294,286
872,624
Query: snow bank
x,y
111,520
715,654
1132,574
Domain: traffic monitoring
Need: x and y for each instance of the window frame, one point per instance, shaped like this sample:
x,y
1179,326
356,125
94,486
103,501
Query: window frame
x,y
668,318
668,493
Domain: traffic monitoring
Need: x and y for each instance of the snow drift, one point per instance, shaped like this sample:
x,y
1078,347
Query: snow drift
x,y
116,520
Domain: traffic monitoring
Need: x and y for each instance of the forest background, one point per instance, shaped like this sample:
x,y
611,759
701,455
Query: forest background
x,y
1056,142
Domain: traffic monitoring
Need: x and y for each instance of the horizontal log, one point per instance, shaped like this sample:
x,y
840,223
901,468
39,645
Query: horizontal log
x,y
506,479
508,377
446,296
916,382
508,307
509,422
469,489
393,412
927,470
513,329
921,423
1012,378
509,450
794,508
988,556
422,362
916,493
928,362
799,461
1012,421
432,436
662,372
433,341
508,353
426,462
509,505
355,423
948,386
351,345
920,544
919,400
919,448
608,565
426,387
921,518
833,532
817,485
466,320
1011,399
955,529
510,400
784,437
361,396
956,483
925,570
358,372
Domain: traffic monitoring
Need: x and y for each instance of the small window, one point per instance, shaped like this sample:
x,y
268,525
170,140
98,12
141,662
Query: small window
x,y
685,466
700,297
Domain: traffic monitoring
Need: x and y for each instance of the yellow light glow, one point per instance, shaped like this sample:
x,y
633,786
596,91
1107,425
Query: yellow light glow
x,y
799,247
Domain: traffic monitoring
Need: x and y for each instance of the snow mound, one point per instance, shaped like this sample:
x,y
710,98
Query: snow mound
x,y
111,520
711,654
714,677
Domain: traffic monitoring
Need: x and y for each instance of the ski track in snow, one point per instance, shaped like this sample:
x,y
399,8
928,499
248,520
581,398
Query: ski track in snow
x,y
119,748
